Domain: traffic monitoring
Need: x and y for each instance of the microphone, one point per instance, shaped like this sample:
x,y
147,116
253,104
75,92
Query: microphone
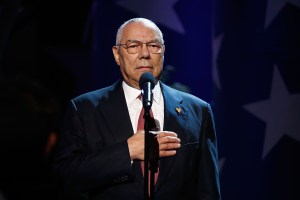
x,y
147,83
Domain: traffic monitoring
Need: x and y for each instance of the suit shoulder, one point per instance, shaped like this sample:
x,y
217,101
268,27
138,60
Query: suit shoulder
x,y
194,99
94,97
186,96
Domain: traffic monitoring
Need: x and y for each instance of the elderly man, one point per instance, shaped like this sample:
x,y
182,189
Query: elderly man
x,y
100,147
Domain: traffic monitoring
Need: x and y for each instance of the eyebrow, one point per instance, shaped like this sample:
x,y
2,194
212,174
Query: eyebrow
x,y
155,40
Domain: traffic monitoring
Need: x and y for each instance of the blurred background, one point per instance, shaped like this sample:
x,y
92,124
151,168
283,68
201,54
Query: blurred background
x,y
241,56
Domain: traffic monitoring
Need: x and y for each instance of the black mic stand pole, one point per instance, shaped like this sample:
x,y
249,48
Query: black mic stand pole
x,y
146,152
154,158
151,154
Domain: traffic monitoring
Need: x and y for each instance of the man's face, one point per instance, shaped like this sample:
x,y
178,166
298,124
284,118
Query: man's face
x,y
133,65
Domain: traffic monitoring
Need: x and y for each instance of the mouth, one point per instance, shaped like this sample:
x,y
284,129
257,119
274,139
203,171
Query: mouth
x,y
144,68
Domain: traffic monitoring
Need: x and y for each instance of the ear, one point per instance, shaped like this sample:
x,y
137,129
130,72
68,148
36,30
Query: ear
x,y
115,51
164,49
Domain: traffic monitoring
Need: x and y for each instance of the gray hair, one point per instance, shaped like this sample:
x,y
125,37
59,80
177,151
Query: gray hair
x,y
144,21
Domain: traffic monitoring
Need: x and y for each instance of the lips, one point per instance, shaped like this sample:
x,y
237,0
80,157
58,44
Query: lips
x,y
144,67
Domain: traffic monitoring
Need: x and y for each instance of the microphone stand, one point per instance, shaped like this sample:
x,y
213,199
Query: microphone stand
x,y
147,83
153,164
151,154
146,153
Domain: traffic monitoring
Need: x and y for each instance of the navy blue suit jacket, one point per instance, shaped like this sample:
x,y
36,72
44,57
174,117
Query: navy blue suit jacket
x,y
92,155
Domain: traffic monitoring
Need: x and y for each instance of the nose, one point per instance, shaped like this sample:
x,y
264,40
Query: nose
x,y
144,53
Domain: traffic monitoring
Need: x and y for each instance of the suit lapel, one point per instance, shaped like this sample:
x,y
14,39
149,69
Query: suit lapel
x,y
175,116
114,111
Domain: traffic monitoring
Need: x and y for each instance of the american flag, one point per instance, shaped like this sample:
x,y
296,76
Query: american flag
x,y
256,51
243,57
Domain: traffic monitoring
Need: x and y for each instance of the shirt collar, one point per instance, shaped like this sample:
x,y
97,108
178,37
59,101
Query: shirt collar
x,y
132,93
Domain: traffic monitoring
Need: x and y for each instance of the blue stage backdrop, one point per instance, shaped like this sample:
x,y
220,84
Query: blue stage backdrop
x,y
256,51
186,26
248,53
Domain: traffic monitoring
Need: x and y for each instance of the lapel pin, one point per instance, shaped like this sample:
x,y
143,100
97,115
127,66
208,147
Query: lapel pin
x,y
178,110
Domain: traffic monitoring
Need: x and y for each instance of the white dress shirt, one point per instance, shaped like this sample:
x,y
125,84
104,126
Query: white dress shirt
x,y
135,105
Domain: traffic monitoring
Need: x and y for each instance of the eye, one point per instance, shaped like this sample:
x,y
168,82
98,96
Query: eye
x,y
154,45
133,45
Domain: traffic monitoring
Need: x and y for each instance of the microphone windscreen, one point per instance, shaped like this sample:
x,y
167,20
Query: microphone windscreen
x,y
147,77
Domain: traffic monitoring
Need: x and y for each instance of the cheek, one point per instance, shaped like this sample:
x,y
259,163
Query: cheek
x,y
159,63
128,61
125,63
128,65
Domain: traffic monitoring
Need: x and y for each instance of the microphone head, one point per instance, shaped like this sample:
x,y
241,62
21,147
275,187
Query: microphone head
x,y
147,77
